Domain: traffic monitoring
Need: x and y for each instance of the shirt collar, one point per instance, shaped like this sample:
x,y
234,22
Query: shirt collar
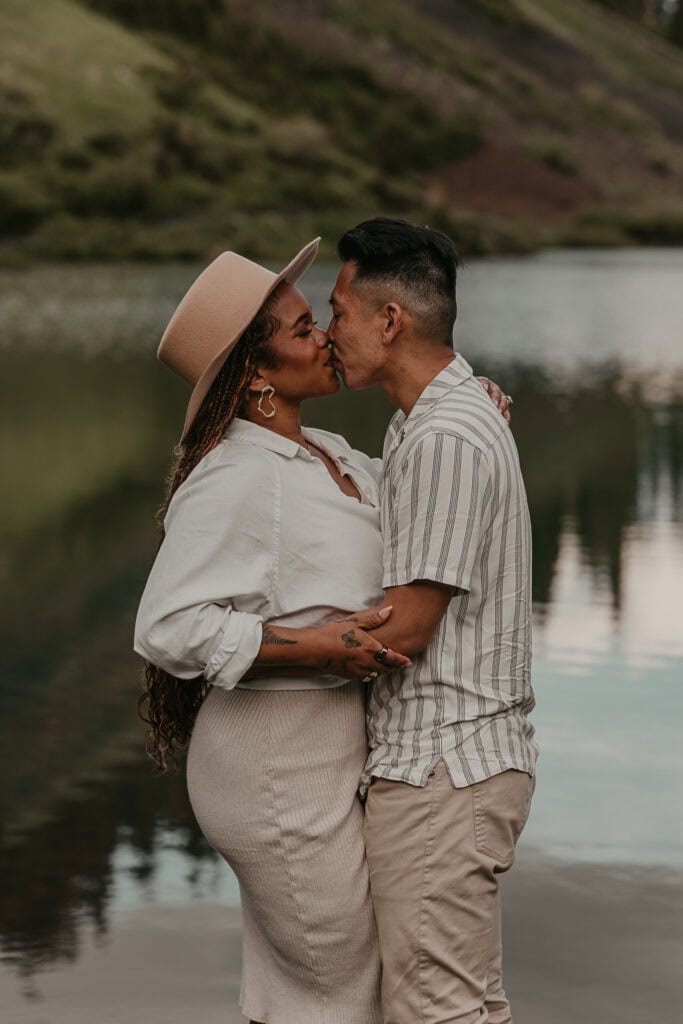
x,y
453,374
252,433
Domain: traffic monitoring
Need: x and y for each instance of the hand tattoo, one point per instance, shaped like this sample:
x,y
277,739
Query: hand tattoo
x,y
269,636
350,639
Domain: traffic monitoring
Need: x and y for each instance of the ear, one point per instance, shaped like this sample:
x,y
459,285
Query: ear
x,y
393,321
258,382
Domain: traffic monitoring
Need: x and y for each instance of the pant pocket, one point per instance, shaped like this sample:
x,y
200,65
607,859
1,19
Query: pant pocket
x,y
501,807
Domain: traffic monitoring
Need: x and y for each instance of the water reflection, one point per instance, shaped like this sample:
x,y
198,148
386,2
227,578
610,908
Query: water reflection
x,y
104,848
87,421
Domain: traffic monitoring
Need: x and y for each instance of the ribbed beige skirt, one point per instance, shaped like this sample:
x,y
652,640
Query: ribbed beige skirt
x,y
273,777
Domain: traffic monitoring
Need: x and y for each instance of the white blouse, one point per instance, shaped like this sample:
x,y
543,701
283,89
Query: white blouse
x,y
259,532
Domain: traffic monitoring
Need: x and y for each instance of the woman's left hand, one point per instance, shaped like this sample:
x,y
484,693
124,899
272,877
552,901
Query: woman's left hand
x,y
501,401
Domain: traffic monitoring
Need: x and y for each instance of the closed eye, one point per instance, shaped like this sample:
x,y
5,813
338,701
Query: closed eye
x,y
309,330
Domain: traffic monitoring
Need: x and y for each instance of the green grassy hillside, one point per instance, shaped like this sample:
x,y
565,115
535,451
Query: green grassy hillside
x,y
173,128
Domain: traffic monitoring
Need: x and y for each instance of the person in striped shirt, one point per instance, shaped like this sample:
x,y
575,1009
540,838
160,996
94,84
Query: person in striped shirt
x,y
450,775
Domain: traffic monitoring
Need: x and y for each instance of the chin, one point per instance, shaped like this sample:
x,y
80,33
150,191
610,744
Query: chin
x,y
353,381
328,388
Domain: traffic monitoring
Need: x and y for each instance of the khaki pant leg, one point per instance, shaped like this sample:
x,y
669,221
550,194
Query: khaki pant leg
x,y
497,1006
434,855
501,809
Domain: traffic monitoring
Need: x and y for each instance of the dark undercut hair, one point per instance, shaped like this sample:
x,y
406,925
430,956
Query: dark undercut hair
x,y
414,266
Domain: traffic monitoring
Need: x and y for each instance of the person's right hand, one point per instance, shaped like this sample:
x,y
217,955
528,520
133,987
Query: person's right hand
x,y
348,651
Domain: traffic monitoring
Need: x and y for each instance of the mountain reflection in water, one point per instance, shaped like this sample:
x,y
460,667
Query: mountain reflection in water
x,y
88,422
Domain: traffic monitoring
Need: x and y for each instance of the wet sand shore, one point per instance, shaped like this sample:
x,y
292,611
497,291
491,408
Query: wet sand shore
x,y
583,943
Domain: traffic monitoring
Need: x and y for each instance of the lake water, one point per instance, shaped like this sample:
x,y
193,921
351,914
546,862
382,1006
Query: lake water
x,y
591,346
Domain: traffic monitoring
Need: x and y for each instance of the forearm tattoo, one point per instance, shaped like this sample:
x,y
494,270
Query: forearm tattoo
x,y
269,636
349,639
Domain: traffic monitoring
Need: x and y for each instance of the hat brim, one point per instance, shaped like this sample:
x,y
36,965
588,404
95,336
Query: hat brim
x,y
291,274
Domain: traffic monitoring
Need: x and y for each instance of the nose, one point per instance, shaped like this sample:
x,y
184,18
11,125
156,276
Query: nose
x,y
330,331
321,338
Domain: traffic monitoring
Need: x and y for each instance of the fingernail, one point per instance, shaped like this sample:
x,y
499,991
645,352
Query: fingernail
x,y
384,612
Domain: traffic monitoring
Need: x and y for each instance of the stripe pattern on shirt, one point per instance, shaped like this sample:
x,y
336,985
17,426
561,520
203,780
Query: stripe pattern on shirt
x,y
454,511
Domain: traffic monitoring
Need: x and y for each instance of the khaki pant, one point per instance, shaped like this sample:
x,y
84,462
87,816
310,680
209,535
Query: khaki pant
x,y
435,855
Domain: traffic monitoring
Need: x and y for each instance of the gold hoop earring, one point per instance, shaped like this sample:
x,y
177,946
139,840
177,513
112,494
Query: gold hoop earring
x,y
267,392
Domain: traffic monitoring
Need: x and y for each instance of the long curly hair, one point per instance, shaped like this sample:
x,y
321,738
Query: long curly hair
x,y
169,705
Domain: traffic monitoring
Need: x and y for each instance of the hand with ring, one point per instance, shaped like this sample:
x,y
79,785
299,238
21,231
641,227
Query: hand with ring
x,y
348,650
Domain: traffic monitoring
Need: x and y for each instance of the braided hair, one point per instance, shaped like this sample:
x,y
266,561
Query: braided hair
x,y
169,705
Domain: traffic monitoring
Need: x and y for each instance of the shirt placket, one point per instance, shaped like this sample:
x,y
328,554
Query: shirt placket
x,y
387,480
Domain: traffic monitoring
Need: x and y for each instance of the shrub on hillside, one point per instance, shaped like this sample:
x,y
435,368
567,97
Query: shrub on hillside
x,y
184,144
74,159
329,189
23,204
110,189
636,9
657,227
595,228
24,132
111,143
404,136
506,12
608,226
68,237
299,140
556,158
483,235
187,18
676,30
179,196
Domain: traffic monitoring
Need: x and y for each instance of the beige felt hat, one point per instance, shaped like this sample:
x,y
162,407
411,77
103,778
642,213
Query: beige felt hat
x,y
215,312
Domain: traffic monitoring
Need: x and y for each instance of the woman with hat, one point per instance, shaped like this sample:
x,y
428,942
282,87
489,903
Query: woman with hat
x,y
270,536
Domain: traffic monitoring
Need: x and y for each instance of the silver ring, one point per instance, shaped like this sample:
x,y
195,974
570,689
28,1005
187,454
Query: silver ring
x,y
368,679
509,399
381,655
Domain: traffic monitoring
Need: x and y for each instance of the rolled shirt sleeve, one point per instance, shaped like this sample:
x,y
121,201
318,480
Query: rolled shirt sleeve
x,y
207,595
436,513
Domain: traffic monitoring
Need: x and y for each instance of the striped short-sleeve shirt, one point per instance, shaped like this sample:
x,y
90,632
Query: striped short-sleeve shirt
x,y
454,511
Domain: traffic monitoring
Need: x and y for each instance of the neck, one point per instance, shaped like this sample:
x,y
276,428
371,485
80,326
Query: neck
x,y
286,421
405,377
